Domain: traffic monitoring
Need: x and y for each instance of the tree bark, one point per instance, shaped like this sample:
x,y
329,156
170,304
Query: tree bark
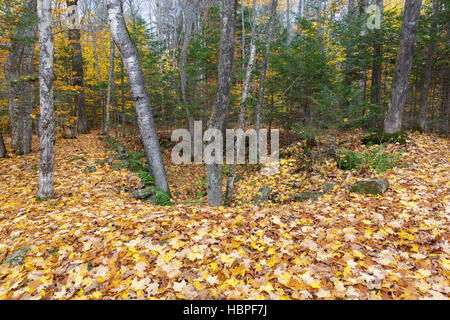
x,y
99,79
402,70
110,88
423,111
265,62
141,99
74,36
3,152
224,83
19,71
377,63
242,109
47,120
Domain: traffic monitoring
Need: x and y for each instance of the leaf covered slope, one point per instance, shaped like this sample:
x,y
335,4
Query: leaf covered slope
x,y
93,242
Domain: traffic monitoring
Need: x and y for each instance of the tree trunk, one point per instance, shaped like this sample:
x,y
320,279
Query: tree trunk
x,y
241,125
273,12
242,109
189,22
77,66
110,88
3,152
224,83
402,70
142,104
423,111
99,78
47,120
19,71
375,94
348,76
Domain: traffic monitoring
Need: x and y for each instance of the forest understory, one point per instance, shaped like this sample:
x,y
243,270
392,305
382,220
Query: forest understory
x,y
93,241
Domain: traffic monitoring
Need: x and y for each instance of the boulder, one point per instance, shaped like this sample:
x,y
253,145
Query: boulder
x,y
329,186
262,195
91,169
305,196
17,257
144,194
122,156
374,186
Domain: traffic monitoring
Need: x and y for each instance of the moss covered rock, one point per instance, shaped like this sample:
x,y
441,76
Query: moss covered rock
x,y
375,186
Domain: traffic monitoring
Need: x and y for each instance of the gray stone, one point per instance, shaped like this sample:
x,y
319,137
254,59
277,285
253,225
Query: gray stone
x,y
329,186
122,156
375,186
305,196
144,194
262,195
91,169
17,257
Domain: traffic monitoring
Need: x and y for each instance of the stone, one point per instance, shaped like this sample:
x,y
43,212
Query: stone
x,y
305,196
374,186
17,257
122,156
262,195
144,194
91,169
329,186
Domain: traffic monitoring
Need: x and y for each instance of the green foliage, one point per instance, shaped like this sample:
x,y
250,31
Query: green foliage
x,y
376,159
163,198
380,138
348,160
146,178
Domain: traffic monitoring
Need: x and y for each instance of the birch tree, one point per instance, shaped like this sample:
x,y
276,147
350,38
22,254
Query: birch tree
x,y
19,71
139,94
242,109
402,70
47,121
262,77
224,84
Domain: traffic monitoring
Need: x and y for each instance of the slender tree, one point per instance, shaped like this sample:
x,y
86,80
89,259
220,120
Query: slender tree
x,y
224,84
265,62
107,120
242,110
47,121
142,104
19,71
423,111
377,61
402,70
74,36
3,152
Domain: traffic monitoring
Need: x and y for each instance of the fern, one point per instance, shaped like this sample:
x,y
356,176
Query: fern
x,y
146,178
162,198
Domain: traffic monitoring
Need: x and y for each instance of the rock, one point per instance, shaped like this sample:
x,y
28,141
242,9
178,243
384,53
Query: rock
x,y
122,156
305,196
329,186
17,257
375,186
262,195
91,169
144,194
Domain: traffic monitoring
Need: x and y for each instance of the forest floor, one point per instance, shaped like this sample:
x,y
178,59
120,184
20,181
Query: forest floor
x,y
94,242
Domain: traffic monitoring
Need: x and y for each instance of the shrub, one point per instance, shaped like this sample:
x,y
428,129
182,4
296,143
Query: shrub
x,y
380,138
376,159
163,198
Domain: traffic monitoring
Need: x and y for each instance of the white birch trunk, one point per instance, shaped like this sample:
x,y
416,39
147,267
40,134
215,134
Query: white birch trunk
x,y
141,99
47,121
